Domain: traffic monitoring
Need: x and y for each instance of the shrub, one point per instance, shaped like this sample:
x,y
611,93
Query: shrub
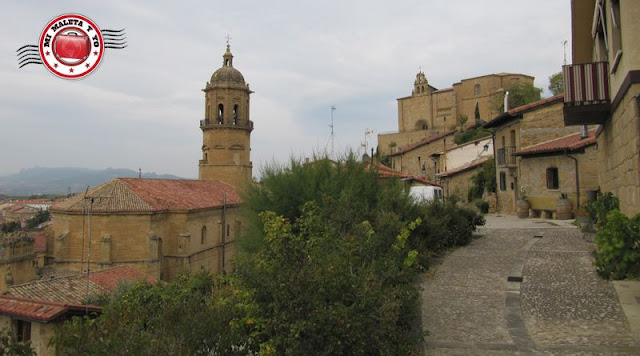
x,y
599,208
482,205
618,241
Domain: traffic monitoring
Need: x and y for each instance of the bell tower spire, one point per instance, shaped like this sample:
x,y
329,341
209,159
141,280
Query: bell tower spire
x,y
226,128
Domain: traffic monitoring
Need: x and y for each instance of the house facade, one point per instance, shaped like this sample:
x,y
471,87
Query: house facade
x,y
602,86
515,130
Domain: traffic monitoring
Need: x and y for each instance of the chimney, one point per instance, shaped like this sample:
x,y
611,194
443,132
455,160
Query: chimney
x,y
506,101
584,132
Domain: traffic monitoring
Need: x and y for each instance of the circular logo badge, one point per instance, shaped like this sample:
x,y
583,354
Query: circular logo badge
x,y
71,46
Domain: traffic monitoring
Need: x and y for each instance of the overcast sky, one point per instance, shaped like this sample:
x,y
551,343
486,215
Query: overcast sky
x,y
141,108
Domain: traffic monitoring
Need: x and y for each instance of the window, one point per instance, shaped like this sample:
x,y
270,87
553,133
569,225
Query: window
x,y
203,235
220,113
23,330
503,181
228,229
478,89
552,178
616,35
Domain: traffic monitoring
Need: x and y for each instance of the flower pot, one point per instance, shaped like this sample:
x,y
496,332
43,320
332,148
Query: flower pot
x,y
522,208
564,211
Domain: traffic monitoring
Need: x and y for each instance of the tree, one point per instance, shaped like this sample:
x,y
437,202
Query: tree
x,y
519,94
556,83
41,216
477,114
10,346
194,315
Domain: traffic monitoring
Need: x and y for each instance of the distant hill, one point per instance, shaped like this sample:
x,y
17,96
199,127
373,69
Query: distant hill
x,y
42,180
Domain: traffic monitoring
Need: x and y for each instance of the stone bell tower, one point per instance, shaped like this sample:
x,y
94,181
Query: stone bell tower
x,y
226,128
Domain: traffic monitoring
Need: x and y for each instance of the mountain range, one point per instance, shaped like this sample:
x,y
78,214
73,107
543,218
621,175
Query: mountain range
x,y
62,180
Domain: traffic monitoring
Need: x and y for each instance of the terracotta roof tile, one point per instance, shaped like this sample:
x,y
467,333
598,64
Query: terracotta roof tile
x,y
38,310
73,289
426,141
146,195
568,143
513,113
386,172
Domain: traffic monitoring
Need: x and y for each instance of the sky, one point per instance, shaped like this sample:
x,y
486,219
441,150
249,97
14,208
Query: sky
x,y
141,108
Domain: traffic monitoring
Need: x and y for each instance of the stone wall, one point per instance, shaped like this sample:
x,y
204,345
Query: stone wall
x,y
619,146
458,184
388,142
533,172
162,244
411,162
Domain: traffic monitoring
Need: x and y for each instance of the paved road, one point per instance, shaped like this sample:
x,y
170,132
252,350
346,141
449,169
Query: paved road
x,y
554,304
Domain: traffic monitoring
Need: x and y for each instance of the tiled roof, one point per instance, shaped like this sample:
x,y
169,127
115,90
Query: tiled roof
x,y
467,166
38,310
513,113
73,288
426,141
386,172
563,144
147,195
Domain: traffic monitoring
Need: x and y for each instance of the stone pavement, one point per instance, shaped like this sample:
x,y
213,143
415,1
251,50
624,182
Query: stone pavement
x,y
524,287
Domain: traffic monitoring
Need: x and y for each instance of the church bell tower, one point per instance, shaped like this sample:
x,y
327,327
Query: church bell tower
x,y
226,128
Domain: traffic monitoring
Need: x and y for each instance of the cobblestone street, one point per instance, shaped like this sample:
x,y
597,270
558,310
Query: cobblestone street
x,y
524,287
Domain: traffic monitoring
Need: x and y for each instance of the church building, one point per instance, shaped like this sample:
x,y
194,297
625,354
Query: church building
x,y
166,227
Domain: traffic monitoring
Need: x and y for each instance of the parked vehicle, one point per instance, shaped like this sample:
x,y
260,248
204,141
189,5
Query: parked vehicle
x,y
426,193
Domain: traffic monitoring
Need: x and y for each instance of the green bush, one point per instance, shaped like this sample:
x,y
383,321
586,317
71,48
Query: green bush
x,y
482,205
618,254
599,208
471,134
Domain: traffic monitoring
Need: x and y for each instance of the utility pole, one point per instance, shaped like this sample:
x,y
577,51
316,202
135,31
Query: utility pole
x,y
331,137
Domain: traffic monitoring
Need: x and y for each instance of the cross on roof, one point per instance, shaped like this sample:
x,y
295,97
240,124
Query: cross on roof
x,y
228,38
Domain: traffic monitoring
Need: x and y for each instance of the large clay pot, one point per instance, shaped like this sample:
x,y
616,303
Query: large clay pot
x,y
564,211
522,208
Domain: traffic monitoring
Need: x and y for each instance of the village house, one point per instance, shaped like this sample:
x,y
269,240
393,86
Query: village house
x,y
459,164
602,86
32,311
428,111
526,126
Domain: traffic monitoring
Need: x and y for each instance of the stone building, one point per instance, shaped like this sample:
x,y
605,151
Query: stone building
x,y
602,86
168,227
32,311
517,129
567,165
417,159
429,111
226,128
162,226
459,164
18,261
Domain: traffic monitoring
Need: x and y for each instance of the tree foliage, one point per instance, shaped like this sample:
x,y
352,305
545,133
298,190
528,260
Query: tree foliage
x,y
556,83
10,346
484,180
328,267
190,316
41,216
519,94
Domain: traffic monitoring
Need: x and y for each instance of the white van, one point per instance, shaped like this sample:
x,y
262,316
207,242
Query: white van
x,y
426,193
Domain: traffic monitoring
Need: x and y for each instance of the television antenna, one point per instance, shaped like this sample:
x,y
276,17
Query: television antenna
x,y
365,144
331,135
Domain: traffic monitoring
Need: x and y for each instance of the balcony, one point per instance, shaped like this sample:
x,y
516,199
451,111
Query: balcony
x,y
233,123
506,157
586,93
